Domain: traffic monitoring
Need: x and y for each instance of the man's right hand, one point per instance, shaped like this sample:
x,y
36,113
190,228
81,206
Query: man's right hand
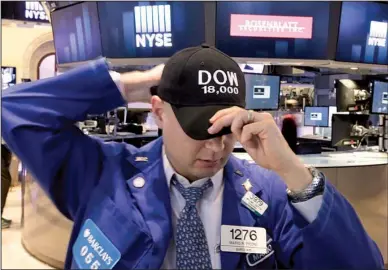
x,y
135,86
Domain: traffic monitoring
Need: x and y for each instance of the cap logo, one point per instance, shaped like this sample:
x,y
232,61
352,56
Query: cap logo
x,y
218,82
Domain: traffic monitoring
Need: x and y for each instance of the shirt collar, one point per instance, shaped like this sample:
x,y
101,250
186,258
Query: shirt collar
x,y
169,171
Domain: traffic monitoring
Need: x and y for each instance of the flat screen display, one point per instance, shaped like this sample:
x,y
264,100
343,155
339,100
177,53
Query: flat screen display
x,y
316,116
8,77
273,29
380,97
150,29
363,33
24,11
76,33
262,92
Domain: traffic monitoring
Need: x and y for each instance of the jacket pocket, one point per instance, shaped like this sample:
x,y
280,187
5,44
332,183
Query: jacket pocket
x,y
109,238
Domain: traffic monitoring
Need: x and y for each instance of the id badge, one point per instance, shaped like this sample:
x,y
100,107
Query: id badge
x,y
242,239
93,250
254,203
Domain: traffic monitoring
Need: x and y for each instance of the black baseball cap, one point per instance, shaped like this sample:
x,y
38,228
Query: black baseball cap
x,y
197,82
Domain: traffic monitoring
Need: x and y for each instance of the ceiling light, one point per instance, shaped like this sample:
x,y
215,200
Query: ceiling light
x,y
354,68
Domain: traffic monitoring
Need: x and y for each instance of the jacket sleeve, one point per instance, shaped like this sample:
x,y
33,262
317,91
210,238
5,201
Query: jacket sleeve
x,y
336,239
38,125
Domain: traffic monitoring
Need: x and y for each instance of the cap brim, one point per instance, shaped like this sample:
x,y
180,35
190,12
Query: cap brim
x,y
195,120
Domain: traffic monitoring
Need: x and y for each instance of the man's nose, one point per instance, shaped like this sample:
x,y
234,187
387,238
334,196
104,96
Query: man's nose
x,y
215,144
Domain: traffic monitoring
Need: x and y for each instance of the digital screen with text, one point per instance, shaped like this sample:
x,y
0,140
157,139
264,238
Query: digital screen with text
x,y
262,92
150,29
363,33
316,116
298,30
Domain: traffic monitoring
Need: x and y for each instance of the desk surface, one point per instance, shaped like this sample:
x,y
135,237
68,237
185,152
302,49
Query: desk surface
x,y
338,159
125,135
315,137
323,160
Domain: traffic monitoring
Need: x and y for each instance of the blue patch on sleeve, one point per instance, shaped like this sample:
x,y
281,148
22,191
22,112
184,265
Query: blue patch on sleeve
x,y
93,250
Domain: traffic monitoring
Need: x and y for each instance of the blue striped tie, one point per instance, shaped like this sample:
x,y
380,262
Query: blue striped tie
x,y
192,248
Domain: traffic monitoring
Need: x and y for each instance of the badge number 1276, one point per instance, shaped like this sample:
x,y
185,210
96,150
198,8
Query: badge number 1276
x,y
243,239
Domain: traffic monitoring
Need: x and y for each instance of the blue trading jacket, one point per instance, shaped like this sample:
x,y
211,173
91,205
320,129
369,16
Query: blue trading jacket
x,y
118,225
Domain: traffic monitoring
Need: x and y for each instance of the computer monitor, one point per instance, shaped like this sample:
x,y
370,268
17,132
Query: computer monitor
x,y
379,97
316,116
345,94
8,77
262,92
342,128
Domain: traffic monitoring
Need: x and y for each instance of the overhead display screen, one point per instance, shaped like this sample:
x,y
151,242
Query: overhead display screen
x,y
262,92
150,29
363,33
273,29
24,11
8,77
380,97
76,33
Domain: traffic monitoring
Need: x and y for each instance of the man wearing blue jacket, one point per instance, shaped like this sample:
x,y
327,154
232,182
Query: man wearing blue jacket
x,y
182,201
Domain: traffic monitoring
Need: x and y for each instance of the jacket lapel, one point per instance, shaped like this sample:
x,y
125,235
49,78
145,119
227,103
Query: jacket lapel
x,y
234,213
150,190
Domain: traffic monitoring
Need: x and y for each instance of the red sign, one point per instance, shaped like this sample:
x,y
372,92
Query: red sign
x,y
244,25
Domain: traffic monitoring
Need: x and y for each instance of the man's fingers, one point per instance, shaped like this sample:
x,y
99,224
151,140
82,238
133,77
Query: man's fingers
x,y
236,118
223,121
241,121
250,130
222,113
218,115
223,118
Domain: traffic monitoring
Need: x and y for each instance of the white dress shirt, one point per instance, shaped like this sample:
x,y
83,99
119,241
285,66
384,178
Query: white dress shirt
x,y
209,209
209,206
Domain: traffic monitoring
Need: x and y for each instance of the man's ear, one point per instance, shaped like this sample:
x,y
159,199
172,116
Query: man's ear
x,y
158,110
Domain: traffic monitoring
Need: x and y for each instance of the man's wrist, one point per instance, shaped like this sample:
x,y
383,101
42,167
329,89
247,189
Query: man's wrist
x,y
297,177
135,86
316,188
116,77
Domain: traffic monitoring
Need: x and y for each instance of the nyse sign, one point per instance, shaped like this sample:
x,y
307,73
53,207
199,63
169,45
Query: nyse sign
x,y
35,11
153,26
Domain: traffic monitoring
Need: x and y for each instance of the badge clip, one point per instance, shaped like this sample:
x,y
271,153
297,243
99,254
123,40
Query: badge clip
x,y
247,185
141,159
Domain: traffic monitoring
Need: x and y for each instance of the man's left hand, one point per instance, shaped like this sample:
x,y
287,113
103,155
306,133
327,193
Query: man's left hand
x,y
263,141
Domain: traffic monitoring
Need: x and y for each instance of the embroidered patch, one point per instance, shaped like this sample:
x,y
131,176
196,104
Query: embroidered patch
x,y
255,259
93,250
